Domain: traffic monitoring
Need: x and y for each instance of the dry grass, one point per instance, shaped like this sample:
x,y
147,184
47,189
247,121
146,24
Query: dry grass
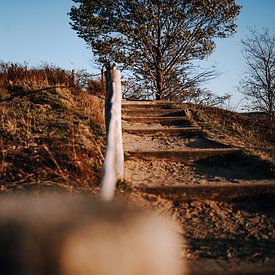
x,y
254,134
15,78
51,133
19,77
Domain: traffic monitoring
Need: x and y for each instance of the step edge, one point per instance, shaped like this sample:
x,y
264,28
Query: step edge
x,y
186,150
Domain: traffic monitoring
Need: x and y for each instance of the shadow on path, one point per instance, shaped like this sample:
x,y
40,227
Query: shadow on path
x,y
234,167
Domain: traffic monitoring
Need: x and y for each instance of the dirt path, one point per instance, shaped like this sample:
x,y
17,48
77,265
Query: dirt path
x,y
222,237
215,163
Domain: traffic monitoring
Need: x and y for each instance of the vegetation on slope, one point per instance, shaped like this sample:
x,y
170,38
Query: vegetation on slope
x,y
51,137
252,133
51,134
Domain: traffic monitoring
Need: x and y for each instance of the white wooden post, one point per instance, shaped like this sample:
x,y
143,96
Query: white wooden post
x,y
114,157
119,161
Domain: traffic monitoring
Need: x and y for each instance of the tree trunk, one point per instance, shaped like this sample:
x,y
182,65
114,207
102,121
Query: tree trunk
x,y
159,69
160,82
270,101
270,114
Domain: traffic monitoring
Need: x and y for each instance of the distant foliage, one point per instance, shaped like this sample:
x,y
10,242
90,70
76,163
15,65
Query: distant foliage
x,y
206,98
86,82
156,40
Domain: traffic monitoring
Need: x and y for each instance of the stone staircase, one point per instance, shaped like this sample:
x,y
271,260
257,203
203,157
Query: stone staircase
x,y
166,154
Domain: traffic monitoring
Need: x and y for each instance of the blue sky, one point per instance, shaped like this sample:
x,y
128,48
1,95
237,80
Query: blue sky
x,y
227,56
38,30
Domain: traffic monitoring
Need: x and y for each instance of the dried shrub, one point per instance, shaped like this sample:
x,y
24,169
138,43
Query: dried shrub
x,y
17,78
95,87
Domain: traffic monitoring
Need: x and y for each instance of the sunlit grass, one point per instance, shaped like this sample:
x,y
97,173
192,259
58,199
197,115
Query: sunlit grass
x,y
51,130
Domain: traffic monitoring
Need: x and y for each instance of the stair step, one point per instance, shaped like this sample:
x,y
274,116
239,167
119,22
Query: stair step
x,y
152,119
181,155
151,107
219,192
148,104
164,131
153,112
225,267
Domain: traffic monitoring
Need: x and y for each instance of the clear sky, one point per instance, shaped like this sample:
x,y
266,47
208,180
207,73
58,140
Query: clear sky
x,y
227,56
38,31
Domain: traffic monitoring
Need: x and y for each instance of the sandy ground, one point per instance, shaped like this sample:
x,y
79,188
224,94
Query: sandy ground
x,y
221,236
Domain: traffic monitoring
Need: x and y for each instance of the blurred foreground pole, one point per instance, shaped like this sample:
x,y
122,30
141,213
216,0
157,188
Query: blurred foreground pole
x,y
69,234
114,157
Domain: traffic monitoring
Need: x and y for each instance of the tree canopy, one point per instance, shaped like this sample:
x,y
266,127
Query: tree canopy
x,y
156,39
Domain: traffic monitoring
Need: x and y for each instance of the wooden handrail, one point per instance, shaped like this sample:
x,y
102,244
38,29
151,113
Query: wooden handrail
x,y
114,156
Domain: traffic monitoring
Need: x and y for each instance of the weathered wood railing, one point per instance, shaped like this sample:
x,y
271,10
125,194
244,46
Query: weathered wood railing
x,y
114,156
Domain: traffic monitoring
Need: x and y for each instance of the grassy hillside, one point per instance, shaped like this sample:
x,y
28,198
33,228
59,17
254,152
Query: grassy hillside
x,y
52,129
51,134
253,134
52,138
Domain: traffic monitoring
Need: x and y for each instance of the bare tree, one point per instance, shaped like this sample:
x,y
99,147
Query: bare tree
x,y
259,82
